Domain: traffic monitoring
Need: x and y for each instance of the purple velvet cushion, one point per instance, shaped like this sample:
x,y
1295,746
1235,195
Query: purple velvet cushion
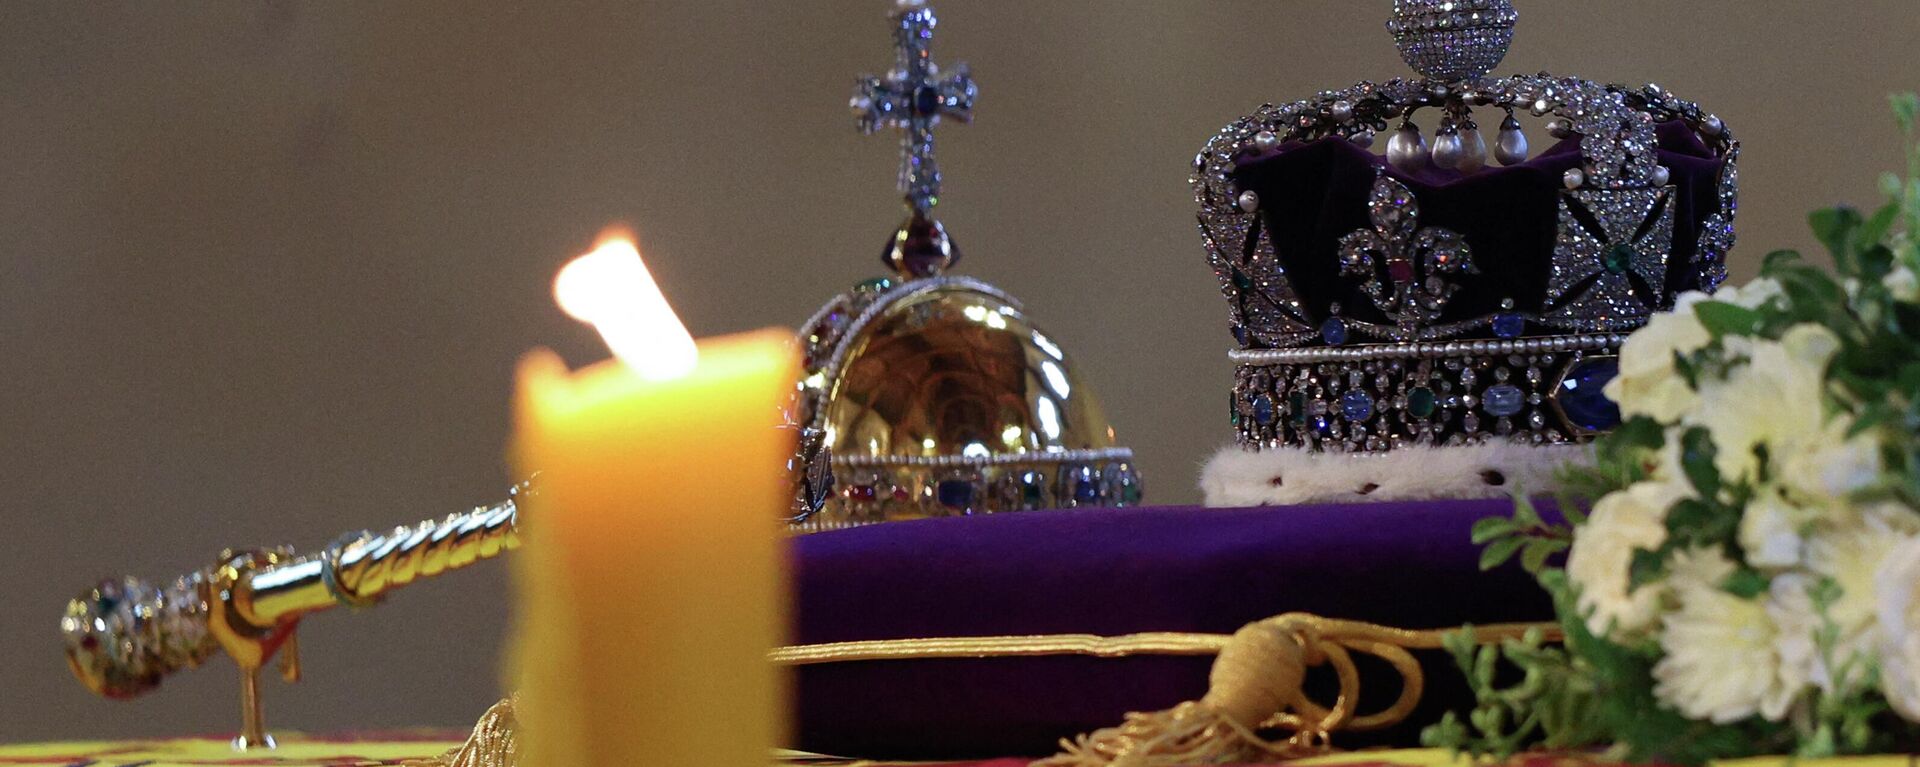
x,y
1114,572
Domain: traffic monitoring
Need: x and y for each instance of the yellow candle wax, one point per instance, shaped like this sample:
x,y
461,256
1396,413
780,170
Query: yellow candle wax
x,y
649,583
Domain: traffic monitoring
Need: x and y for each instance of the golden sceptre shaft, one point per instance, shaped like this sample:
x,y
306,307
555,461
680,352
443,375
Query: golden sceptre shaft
x,y
124,636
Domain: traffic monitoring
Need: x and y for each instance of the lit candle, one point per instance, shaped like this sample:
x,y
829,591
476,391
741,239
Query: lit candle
x,y
649,583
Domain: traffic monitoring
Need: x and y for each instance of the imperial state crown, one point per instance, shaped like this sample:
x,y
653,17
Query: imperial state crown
x,y
1422,298
926,394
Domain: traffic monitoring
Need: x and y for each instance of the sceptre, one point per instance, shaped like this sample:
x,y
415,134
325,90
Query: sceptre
x,y
124,636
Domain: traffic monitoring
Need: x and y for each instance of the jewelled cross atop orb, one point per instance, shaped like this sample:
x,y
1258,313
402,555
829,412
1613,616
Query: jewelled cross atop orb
x,y
913,96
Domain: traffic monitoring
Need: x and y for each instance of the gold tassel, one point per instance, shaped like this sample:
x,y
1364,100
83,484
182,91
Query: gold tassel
x,y
492,744
1256,685
1257,675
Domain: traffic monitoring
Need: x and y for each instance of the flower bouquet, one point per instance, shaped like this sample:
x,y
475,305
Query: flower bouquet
x,y
1746,579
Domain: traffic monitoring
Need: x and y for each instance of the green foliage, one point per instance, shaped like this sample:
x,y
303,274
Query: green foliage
x,y
1590,691
1585,693
1620,460
1696,460
1723,320
1525,533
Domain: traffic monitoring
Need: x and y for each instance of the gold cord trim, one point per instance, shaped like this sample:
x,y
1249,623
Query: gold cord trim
x,y
1012,646
1125,645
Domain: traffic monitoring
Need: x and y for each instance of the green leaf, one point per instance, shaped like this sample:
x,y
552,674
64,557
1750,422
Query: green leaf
x,y
1745,583
1698,521
1688,370
1493,527
1633,436
1875,261
1872,417
1570,509
1534,558
1834,228
1724,319
1499,552
1696,460
1906,110
1875,228
1779,259
1524,514
1648,566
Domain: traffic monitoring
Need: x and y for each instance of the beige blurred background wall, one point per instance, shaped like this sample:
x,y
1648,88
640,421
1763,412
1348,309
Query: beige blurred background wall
x,y
265,267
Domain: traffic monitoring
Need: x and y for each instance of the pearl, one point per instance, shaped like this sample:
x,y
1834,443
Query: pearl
x,y
1661,175
1341,110
1473,155
1559,128
1574,178
1447,150
1265,140
1511,149
1362,139
1249,201
1712,125
1407,150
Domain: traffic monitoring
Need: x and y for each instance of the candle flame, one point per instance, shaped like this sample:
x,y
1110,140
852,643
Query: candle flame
x,y
610,289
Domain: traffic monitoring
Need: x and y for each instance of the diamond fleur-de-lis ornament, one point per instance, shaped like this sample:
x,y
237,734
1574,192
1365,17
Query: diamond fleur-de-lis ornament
x,y
913,97
1415,261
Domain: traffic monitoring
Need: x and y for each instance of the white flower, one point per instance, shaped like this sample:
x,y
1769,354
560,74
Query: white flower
x,y
1770,531
1720,660
1849,549
1647,383
1698,567
1903,284
1828,468
1897,597
1772,401
1798,624
1602,555
1750,295
1666,463
1844,553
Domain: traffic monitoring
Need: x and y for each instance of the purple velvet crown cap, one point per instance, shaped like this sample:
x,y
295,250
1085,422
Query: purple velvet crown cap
x,y
1315,192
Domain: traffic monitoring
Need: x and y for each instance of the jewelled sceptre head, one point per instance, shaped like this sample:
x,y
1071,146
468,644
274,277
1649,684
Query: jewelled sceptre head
x,y
124,635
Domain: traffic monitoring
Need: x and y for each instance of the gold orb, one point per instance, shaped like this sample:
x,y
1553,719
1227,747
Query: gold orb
x,y
940,397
